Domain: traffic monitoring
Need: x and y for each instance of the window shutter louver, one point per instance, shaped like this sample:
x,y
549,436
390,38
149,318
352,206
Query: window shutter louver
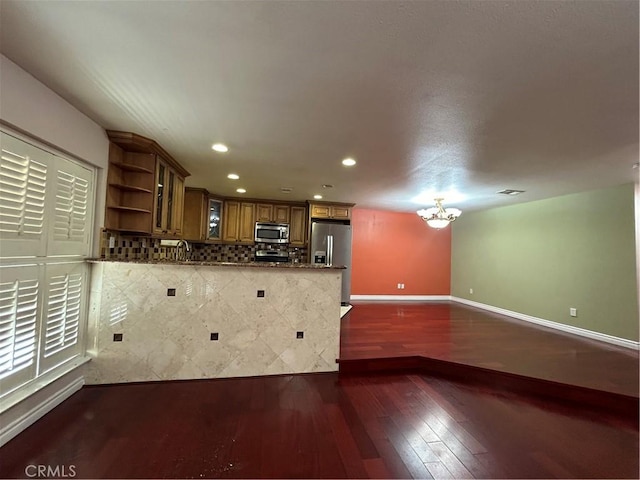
x,y
23,181
72,210
71,207
63,313
19,310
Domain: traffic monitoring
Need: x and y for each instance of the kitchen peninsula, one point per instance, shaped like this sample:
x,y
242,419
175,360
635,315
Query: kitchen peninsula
x,y
165,320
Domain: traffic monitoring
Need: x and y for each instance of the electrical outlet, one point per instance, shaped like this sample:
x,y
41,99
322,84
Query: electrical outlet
x,y
112,242
573,312
400,286
471,291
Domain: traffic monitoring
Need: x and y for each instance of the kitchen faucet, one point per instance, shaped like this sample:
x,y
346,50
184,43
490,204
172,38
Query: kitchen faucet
x,y
182,250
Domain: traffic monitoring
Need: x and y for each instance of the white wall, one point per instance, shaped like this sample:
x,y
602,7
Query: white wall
x,y
29,108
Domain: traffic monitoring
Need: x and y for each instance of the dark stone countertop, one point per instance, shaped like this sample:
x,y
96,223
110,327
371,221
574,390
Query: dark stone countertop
x,y
196,263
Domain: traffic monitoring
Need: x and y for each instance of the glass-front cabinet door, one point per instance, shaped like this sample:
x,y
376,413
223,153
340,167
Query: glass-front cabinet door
x,y
158,224
214,223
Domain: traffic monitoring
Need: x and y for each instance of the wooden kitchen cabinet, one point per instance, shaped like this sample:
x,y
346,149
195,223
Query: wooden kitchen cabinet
x,y
333,211
169,202
239,222
145,192
130,186
298,227
273,213
202,216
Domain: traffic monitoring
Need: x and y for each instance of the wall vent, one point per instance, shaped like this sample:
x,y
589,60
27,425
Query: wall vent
x,y
508,191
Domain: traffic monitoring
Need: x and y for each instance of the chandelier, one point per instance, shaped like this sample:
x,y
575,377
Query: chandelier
x,y
439,217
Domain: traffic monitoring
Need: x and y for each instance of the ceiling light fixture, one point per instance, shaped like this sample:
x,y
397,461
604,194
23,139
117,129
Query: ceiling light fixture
x,y
241,190
220,147
317,197
348,162
439,217
233,176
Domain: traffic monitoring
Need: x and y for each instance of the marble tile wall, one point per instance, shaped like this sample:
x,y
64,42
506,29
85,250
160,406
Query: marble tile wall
x,y
129,247
169,337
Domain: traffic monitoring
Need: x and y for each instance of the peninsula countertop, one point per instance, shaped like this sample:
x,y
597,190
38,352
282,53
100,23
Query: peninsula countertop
x,y
197,263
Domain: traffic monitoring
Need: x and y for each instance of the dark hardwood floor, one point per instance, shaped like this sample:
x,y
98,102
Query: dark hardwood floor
x,y
384,425
458,333
320,426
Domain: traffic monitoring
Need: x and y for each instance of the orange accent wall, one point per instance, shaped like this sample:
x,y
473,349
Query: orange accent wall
x,y
394,247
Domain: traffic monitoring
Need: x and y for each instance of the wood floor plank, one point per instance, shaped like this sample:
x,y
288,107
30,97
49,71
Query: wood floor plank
x,y
409,456
347,447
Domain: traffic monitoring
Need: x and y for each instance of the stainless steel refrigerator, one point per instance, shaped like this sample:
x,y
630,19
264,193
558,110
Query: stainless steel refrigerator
x,y
331,245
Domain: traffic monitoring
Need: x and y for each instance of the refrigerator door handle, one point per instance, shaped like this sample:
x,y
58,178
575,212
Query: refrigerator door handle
x,y
329,250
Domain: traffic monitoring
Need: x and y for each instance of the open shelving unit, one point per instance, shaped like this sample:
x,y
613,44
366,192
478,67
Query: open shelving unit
x,y
130,191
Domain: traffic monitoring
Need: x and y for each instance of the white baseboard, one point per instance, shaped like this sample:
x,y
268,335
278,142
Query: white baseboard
x,y
401,298
9,431
603,337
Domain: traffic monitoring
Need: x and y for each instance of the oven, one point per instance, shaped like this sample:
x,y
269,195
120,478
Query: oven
x,y
274,256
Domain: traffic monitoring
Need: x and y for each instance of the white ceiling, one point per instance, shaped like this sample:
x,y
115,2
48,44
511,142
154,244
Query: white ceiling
x,y
465,98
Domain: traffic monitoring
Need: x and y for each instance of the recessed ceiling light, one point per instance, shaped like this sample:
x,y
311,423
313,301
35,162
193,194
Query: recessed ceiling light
x,y
233,176
510,192
348,162
220,147
317,197
241,190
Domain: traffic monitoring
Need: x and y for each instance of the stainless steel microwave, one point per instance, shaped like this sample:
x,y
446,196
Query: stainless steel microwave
x,y
272,232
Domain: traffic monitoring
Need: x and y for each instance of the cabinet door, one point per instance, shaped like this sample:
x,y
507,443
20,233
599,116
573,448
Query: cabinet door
x,y
281,213
320,211
214,218
340,212
264,212
297,229
246,228
160,206
193,220
176,199
230,221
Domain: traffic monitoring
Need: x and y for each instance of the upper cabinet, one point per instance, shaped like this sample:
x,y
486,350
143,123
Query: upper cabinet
x,y
202,216
333,211
169,202
238,222
298,226
275,213
145,187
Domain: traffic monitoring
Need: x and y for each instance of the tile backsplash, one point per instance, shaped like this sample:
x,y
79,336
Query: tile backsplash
x,y
130,247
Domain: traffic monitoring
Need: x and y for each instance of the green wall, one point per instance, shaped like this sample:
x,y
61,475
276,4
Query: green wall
x,y
540,258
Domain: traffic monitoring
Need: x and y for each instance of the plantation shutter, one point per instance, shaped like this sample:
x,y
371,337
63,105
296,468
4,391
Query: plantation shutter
x,y
72,210
63,312
23,183
46,223
19,310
